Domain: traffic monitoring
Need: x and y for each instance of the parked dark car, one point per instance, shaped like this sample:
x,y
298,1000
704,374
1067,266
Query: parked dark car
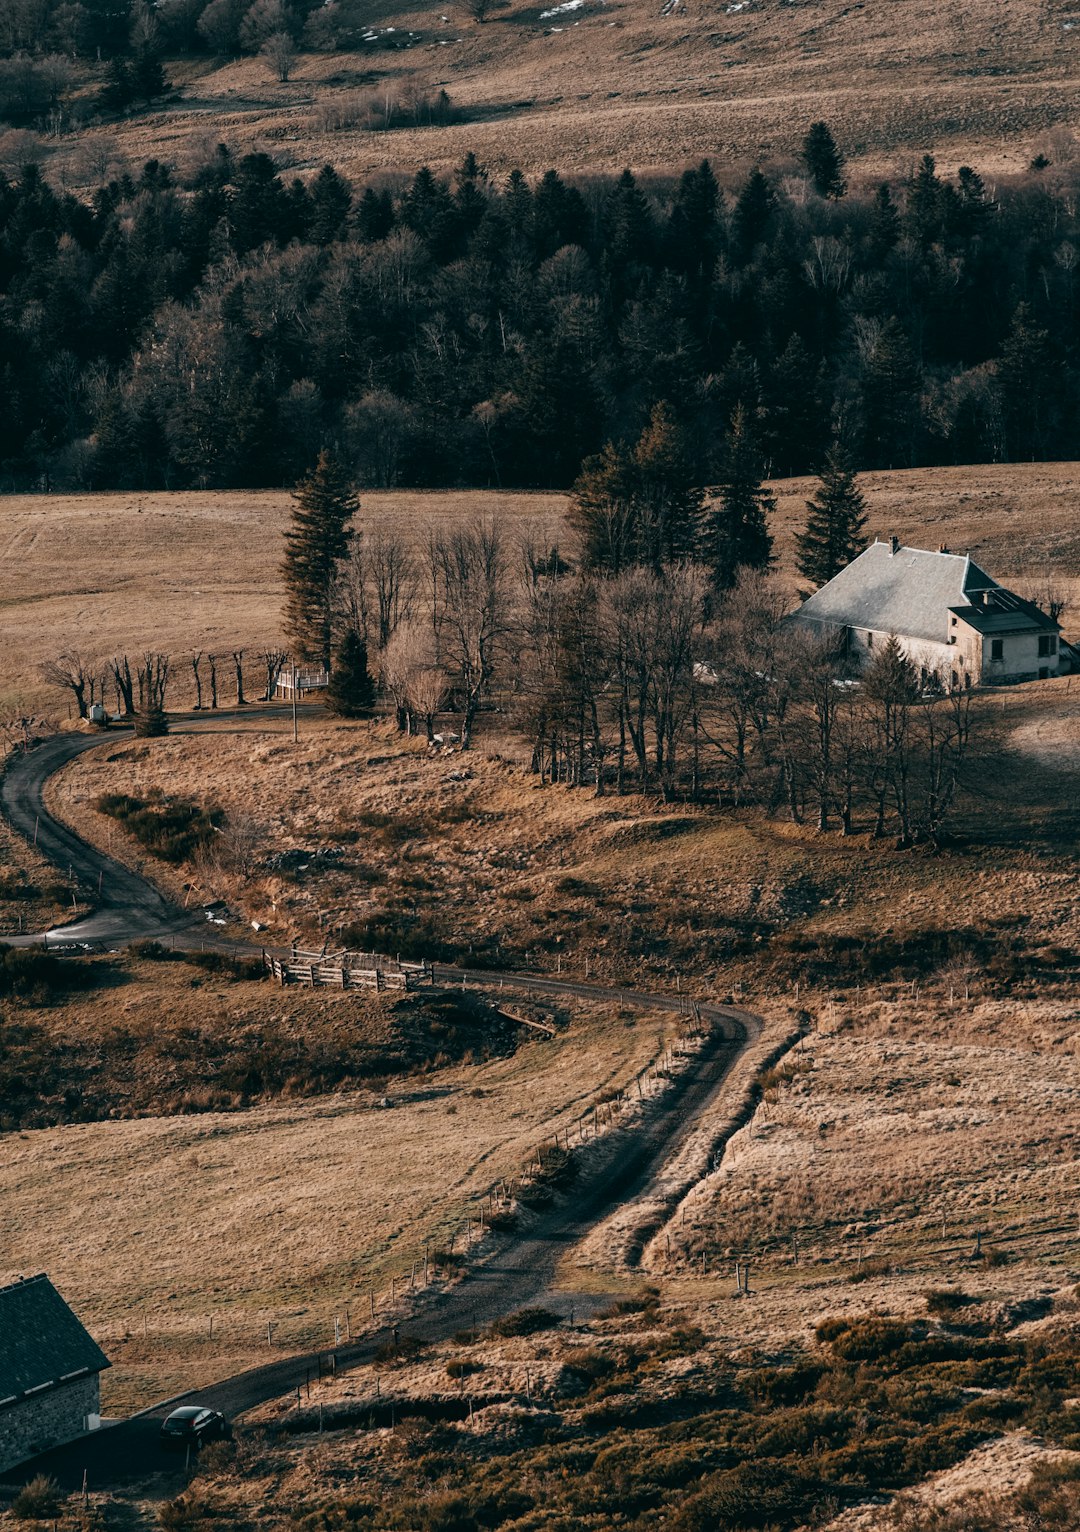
x,y
192,1425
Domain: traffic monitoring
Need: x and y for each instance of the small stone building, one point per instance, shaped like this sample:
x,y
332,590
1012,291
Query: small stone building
x,y
953,620
49,1372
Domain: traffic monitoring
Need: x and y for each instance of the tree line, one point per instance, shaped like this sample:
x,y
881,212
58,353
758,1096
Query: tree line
x,y
219,328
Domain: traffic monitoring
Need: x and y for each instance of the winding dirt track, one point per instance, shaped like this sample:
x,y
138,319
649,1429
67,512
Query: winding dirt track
x,y
520,1272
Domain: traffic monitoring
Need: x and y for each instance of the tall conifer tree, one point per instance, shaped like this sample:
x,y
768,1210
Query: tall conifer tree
x,y
737,531
315,544
824,161
835,522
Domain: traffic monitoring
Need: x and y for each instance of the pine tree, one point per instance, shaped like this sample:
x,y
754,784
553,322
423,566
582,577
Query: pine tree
x,y
824,161
667,498
835,522
315,544
884,224
601,510
351,691
331,200
737,530
750,219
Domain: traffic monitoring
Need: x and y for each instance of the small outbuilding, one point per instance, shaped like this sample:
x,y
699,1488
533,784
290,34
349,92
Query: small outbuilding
x,y
953,620
50,1371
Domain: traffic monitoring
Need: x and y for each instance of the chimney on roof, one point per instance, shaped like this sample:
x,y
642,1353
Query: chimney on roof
x,y
894,546
943,547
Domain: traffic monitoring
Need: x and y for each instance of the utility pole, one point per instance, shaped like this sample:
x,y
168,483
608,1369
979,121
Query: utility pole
x,y
295,735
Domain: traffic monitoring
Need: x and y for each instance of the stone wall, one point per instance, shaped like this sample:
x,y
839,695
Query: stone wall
x,y
47,1419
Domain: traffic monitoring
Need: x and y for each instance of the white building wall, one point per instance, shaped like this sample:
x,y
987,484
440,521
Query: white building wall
x,y
1020,661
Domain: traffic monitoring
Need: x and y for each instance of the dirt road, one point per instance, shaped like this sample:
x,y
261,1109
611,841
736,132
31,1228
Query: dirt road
x,y
519,1273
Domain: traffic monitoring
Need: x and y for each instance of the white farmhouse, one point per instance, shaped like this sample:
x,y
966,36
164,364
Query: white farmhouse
x,y
952,619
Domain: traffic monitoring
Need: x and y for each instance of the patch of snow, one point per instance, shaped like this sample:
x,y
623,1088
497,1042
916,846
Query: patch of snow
x,y
561,10
739,5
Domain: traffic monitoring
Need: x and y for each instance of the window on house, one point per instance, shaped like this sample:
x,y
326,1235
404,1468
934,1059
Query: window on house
x,y
997,648
1047,644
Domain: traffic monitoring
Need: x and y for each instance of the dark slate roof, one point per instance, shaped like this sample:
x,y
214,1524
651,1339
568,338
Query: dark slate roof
x,y
42,1343
1005,612
912,592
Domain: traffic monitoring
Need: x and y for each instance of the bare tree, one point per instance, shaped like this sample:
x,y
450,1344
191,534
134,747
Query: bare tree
x,y
72,673
275,661
427,693
377,587
211,660
238,666
469,574
196,661
124,684
152,678
279,51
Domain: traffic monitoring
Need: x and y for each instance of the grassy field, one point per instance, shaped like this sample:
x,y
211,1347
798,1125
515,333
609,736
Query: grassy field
x,y
179,572
617,82
284,1213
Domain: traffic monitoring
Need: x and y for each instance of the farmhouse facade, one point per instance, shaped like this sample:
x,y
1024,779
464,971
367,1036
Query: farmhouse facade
x,y
953,620
49,1372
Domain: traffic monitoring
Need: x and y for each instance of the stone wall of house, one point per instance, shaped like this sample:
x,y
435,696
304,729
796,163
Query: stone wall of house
x,y
44,1420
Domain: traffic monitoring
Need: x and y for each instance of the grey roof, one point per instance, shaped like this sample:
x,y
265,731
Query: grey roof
x,y
1006,612
42,1343
910,592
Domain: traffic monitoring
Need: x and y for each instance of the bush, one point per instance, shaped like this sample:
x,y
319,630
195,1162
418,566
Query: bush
x,y
463,1367
946,1300
172,829
37,1501
525,1322
34,973
868,1340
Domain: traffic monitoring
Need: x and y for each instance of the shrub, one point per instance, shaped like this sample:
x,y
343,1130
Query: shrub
x,y
172,829
828,1330
525,1322
35,973
868,1340
463,1367
946,1300
37,1501
876,1266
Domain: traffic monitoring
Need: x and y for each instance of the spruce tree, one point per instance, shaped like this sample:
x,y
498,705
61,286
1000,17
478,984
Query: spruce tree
x,y
315,544
835,522
666,494
824,161
351,691
737,530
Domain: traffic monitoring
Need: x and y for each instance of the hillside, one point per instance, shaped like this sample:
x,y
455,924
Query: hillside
x,y
595,85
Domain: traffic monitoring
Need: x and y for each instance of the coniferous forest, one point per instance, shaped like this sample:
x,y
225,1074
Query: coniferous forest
x,y
217,329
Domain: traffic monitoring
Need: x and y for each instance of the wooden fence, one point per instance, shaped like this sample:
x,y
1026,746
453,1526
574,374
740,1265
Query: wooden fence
x,y
346,970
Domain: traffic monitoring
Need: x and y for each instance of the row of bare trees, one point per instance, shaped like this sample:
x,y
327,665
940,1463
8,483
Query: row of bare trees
x,y
139,685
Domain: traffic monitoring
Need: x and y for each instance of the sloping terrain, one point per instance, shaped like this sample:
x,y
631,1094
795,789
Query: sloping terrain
x,y
595,85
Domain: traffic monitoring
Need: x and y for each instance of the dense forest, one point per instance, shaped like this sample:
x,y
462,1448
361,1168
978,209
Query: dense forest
x,y
220,327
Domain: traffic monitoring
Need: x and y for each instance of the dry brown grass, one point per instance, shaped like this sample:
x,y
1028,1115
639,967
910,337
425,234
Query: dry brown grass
x,y
617,83
284,1213
906,1130
175,572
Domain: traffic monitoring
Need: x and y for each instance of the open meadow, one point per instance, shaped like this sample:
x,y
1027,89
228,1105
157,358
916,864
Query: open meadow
x,y
287,1212
600,84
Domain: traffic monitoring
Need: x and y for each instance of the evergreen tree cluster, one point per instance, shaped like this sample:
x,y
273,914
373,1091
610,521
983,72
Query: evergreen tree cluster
x,y
222,329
